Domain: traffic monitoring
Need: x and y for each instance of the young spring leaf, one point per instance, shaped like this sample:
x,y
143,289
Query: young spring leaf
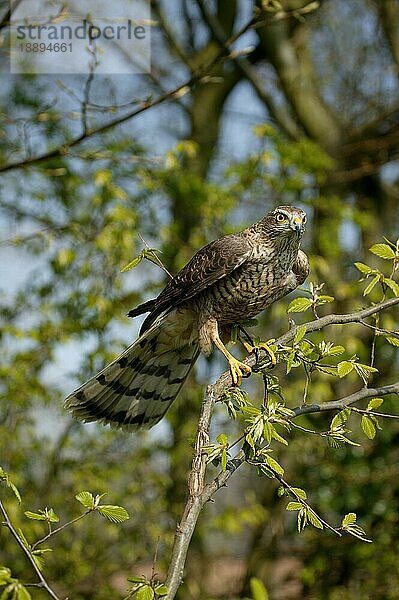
x,y
258,590
371,285
324,299
293,506
299,305
301,493
115,514
301,331
144,593
87,499
344,368
340,418
365,269
336,350
314,519
133,263
393,285
349,519
374,403
383,251
273,464
5,575
161,590
368,427
35,516
22,593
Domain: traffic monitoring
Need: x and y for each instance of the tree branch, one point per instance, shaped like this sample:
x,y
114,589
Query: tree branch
x,y
355,317
347,400
282,117
195,500
145,105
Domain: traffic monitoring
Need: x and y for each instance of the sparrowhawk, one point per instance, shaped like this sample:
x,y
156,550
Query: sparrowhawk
x,y
229,281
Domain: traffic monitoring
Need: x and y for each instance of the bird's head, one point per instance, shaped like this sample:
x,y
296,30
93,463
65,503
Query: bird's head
x,y
287,221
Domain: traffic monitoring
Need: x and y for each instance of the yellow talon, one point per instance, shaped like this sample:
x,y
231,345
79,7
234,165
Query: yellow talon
x,y
238,370
264,345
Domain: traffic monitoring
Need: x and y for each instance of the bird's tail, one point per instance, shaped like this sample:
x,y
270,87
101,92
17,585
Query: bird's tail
x,y
137,388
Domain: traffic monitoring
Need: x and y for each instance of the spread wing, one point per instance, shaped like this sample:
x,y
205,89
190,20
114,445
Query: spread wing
x,y
212,262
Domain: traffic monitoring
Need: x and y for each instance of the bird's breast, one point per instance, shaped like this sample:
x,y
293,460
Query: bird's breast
x,y
248,290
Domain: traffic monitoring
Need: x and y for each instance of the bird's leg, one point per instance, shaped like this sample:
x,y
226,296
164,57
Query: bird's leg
x,y
265,345
238,369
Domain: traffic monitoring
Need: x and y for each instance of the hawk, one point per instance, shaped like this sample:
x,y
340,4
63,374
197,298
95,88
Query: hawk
x,y
229,281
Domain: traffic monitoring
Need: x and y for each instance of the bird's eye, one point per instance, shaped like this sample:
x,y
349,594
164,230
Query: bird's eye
x,y
280,218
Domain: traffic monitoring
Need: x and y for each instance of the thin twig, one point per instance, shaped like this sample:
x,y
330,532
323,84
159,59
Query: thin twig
x,y
347,400
54,531
293,493
42,582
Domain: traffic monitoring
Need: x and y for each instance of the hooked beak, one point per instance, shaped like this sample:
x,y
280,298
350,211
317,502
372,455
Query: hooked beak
x,y
297,226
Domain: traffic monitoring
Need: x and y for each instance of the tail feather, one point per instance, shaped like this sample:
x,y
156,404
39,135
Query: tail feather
x,y
137,388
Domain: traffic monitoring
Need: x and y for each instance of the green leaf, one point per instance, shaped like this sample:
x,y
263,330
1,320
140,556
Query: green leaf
x,y
368,427
363,268
268,431
222,439
344,368
249,439
258,590
276,436
323,299
144,593
133,263
299,305
115,514
336,350
35,516
86,498
340,418
314,519
349,519
137,579
39,561
15,491
273,464
22,593
161,590
383,250
375,403
23,538
301,493
392,340
392,284
294,506
5,575
52,516
371,285
302,518
300,332
290,361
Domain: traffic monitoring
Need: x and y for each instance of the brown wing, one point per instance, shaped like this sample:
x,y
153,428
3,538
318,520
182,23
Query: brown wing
x,y
212,262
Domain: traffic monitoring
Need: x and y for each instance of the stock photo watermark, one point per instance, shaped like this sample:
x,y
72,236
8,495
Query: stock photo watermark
x,y
80,37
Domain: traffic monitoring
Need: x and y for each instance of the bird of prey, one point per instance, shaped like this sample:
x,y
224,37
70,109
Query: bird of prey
x,y
229,281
